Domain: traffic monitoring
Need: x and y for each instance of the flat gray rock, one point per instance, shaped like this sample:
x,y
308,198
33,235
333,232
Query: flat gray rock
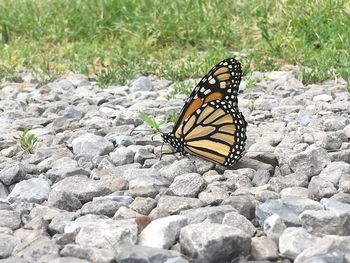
x,y
326,222
327,249
91,144
264,248
214,242
214,214
10,219
35,190
175,204
90,254
82,187
7,244
295,240
107,234
162,232
12,173
237,220
140,254
288,208
188,185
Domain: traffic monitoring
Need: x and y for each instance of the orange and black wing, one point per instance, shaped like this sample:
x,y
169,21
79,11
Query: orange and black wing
x,y
216,131
221,83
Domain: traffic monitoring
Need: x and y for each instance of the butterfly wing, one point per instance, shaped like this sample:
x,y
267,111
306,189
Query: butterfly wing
x,y
221,82
216,131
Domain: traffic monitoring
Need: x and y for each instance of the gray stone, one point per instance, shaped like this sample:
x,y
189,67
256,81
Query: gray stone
x,y
162,232
126,213
65,167
142,154
142,192
59,222
264,195
101,207
10,219
334,124
7,244
107,234
328,249
344,183
263,248
214,214
3,192
143,205
141,84
236,220
177,168
334,205
12,173
296,191
329,140
295,179
326,222
122,155
246,162
91,144
213,195
81,187
64,200
111,178
334,171
92,254
142,254
319,188
188,185
261,177
211,242
244,204
74,226
341,197
310,162
295,240
175,204
40,250
69,260
288,208
13,259
35,190
274,226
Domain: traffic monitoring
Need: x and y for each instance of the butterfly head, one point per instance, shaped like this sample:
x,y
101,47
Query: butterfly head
x,y
173,141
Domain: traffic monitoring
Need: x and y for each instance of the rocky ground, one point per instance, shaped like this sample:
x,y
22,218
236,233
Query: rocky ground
x,y
91,192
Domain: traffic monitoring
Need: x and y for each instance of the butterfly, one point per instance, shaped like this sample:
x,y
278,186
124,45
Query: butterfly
x,y
210,124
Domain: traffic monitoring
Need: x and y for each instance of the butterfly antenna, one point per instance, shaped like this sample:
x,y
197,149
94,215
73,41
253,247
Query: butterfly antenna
x,y
161,152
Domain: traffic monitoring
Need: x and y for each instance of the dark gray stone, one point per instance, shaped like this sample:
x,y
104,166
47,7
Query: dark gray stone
x,y
244,204
212,213
263,248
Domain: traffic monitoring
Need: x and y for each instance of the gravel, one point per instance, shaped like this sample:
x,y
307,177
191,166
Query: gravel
x,y
95,189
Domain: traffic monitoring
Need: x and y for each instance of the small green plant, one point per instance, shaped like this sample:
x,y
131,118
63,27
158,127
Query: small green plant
x,y
106,77
177,88
348,88
251,105
27,141
151,121
250,82
173,117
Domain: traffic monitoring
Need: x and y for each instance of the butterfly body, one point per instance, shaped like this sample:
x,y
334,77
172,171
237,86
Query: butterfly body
x,y
210,124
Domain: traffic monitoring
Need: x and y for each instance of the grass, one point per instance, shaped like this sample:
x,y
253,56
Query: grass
x,y
173,39
27,141
152,122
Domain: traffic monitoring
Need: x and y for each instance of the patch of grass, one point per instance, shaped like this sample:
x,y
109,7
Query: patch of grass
x,y
173,117
106,77
177,88
348,88
251,105
175,39
152,122
250,82
27,141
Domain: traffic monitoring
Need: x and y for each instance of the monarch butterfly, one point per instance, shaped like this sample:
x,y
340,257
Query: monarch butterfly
x,y
210,124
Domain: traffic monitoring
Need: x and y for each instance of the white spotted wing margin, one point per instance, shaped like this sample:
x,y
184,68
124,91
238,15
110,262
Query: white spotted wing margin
x,y
216,132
